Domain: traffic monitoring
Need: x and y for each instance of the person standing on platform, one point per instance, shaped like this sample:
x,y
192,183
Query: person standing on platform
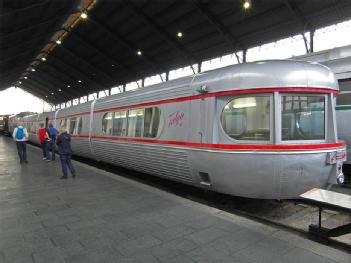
x,y
20,136
43,139
65,151
51,144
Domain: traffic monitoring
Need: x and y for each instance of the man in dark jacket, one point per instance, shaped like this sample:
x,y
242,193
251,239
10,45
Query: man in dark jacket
x,y
64,143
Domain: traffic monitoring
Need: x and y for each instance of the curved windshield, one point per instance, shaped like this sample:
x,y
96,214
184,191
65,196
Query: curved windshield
x,y
247,118
303,117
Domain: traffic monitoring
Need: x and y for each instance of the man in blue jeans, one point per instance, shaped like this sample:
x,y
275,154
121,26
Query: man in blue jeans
x,y
51,144
64,144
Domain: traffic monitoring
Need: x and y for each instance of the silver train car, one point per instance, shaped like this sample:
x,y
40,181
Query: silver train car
x,y
260,130
343,116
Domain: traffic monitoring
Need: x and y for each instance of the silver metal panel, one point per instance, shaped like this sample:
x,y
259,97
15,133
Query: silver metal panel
x,y
267,74
262,175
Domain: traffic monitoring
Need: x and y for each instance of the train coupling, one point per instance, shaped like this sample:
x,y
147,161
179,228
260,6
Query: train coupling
x,y
337,158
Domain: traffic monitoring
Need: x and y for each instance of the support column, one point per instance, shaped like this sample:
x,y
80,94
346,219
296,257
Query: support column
x,y
244,55
167,75
199,67
143,83
124,87
311,41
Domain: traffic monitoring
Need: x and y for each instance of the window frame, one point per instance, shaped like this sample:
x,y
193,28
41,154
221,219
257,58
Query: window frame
x,y
74,132
125,135
271,118
142,126
280,118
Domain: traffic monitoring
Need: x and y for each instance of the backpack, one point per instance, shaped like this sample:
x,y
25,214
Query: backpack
x,y
19,134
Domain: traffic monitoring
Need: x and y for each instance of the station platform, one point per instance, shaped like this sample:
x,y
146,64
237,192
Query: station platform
x,y
102,217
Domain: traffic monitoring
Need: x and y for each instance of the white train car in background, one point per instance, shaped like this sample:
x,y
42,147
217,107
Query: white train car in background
x,y
261,130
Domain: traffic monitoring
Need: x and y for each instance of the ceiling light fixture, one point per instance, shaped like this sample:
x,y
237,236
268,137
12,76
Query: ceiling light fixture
x,y
60,90
20,82
79,81
52,93
68,86
180,34
84,15
139,53
247,4
58,42
33,69
43,58
25,77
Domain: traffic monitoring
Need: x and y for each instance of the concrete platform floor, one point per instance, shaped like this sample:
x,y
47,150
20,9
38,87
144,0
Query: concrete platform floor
x,y
101,217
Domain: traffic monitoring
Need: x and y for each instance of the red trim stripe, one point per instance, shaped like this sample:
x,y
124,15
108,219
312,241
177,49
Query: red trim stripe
x,y
240,147
210,95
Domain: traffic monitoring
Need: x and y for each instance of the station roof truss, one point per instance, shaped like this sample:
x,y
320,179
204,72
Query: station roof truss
x,y
127,40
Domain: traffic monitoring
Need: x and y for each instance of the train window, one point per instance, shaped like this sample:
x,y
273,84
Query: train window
x,y
151,122
107,123
303,117
119,123
135,122
247,118
72,126
80,125
63,123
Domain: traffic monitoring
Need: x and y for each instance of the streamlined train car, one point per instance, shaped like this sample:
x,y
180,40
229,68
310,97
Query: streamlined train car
x,y
343,116
262,130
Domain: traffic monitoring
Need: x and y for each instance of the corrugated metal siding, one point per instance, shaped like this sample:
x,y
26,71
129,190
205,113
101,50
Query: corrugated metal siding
x,y
158,160
81,147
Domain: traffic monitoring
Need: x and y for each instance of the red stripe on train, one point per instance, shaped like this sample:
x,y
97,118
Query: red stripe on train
x,y
210,95
242,147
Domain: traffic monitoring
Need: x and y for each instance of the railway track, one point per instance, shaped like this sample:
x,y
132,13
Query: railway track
x,y
291,215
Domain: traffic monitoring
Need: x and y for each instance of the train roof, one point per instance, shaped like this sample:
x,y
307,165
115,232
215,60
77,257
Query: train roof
x,y
254,75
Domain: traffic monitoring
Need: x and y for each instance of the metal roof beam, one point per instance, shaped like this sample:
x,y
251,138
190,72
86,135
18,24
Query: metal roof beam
x,y
103,54
34,26
228,37
163,33
77,72
293,8
34,88
118,38
25,8
43,85
86,62
19,54
60,81
49,79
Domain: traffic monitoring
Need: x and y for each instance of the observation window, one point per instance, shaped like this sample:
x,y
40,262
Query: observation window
x,y
72,126
248,118
80,125
107,123
63,123
120,123
135,122
303,117
151,122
